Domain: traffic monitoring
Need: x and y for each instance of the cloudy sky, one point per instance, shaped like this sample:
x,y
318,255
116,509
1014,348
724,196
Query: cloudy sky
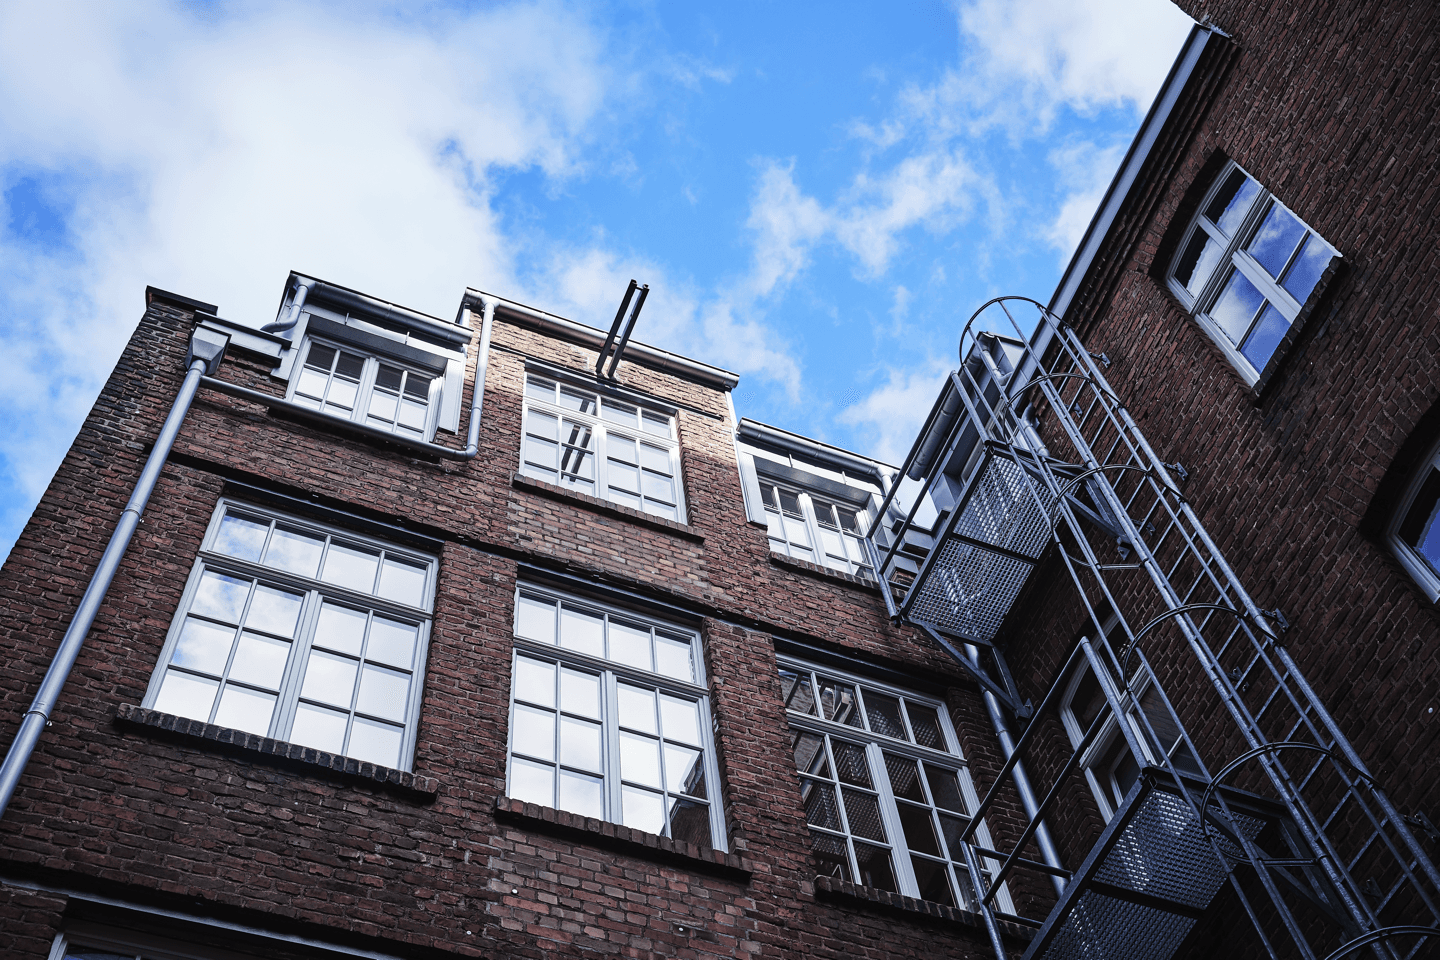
x,y
817,193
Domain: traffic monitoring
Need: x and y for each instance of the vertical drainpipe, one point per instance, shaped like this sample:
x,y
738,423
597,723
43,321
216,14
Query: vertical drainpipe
x,y
482,365
302,290
207,349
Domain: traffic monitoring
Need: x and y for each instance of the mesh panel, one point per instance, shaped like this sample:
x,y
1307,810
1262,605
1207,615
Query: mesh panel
x,y
1103,928
1001,510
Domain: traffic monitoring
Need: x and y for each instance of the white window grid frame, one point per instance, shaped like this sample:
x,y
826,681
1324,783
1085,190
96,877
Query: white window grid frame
x,y
611,674
1232,258
315,593
1410,557
360,413
819,554
134,945
876,745
602,429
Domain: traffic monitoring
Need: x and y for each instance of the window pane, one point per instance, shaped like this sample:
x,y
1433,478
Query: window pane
x,y
1419,528
319,728
274,611
919,830
624,499
832,859
622,449
573,399
533,733
535,619
796,532
244,709
875,867
402,582
810,753
535,681
862,810
348,567
383,405
662,510
239,537
388,377
1269,331
295,552
582,631
577,435
329,679
539,389
640,759
623,477
883,712
580,743
655,458
837,702
581,794
260,660
684,771
341,394
637,708
311,384
1276,239
1236,307
1306,270
933,879
672,658
904,776
642,810
350,365
532,782
392,642
203,646
542,425
690,822
1198,261
850,763
578,464
656,424
944,788
1229,206
951,828
680,719
321,357
221,597
617,412
580,693
186,696
790,502
821,809
383,692
417,386
630,646
375,742
925,724
656,487
340,628
795,689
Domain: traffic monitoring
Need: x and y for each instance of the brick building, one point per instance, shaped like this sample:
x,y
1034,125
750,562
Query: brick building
x,y
497,636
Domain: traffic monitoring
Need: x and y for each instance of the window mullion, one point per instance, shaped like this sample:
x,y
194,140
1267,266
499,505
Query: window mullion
x,y
890,817
610,746
289,693
1266,284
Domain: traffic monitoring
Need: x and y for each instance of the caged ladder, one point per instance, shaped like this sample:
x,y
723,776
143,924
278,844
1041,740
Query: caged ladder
x,y
1248,782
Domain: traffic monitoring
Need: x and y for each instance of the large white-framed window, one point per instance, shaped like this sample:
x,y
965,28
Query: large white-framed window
x,y
83,940
380,392
808,526
610,718
885,788
303,632
1413,534
1110,766
1245,268
607,447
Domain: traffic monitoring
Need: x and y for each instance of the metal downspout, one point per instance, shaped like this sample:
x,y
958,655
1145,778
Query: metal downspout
x,y
37,718
1048,853
302,290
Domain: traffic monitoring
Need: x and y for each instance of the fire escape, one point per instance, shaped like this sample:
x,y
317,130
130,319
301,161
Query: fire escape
x,y
1244,778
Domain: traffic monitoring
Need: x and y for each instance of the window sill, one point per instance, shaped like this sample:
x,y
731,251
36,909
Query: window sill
x,y
265,750
842,891
624,839
521,482
816,570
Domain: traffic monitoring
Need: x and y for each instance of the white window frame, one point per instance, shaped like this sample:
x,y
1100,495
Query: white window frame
x,y
782,534
601,443
290,691
612,675
143,946
360,413
1233,257
876,745
1410,557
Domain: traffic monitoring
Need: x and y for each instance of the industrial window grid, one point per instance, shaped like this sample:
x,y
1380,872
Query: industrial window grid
x,y
810,527
610,718
302,632
351,384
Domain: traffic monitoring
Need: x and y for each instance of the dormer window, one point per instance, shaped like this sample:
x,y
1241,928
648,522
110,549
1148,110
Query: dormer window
x,y
367,390
809,527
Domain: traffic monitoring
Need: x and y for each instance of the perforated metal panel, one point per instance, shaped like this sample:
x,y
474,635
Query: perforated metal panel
x,y
1104,928
967,588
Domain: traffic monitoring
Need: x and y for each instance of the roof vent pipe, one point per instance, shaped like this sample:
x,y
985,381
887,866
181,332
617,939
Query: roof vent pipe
x,y
302,290
207,349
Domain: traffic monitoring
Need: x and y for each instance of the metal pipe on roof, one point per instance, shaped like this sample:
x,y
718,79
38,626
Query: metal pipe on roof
x,y
207,349
625,337
615,326
302,290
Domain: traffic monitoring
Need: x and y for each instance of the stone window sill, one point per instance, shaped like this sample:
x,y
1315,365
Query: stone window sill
x,y
521,482
259,749
624,839
841,891
825,573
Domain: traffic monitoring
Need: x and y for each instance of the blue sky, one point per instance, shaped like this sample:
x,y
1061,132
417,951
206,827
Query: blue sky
x,y
818,194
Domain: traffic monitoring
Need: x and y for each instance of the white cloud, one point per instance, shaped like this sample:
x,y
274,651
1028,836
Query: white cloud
x,y
1084,170
890,417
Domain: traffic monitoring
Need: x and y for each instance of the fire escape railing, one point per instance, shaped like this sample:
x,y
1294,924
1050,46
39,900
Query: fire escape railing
x,y
1029,451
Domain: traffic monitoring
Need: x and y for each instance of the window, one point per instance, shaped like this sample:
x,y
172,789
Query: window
x,y
1414,535
92,941
1245,268
809,527
610,719
296,631
1110,767
379,393
885,789
602,446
